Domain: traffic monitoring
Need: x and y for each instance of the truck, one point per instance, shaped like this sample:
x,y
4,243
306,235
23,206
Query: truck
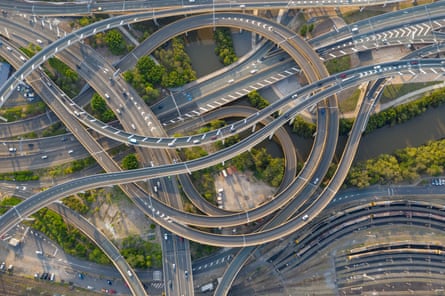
x,y
207,287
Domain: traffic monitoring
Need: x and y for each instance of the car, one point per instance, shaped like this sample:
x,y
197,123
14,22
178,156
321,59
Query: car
x,y
129,273
342,75
107,96
70,151
253,71
8,48
109,282
316,181
174,267
230,80
186,273
12,149
39,41
44,157
414,62
2,266
305,217
196,141
165,236
213,138
81,276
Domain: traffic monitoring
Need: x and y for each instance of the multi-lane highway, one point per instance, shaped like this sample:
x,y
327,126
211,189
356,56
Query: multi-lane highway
x,y
168,216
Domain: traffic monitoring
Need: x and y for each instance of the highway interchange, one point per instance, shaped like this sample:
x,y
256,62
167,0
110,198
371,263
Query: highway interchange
x,y
304,184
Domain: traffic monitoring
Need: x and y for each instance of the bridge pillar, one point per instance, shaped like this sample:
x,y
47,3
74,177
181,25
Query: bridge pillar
x,y
271,135
291,121
253,128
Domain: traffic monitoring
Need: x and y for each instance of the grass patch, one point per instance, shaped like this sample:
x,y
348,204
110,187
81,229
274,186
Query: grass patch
x,y
394,91
22,112
349,104
355,16
338,64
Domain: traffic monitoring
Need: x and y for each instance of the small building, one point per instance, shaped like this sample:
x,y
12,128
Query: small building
x,y
14,242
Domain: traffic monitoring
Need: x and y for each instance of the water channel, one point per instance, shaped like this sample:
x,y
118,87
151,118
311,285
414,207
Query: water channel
x,y
417,131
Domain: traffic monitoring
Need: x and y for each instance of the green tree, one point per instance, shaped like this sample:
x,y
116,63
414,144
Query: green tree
x,y
130,162
115,42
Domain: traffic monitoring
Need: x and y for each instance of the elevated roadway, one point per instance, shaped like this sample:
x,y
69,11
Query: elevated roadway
x,y
122,177
86,8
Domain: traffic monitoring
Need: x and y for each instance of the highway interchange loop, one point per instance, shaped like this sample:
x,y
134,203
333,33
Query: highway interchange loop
x,y
330,85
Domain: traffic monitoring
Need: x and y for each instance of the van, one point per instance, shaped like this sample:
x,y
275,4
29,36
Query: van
x,y
12,149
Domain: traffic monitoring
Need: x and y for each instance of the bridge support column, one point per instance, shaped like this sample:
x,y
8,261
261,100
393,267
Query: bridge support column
x,y
291,121
253,128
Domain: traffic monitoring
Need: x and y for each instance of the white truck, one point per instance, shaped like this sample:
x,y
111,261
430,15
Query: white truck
x,y
207,287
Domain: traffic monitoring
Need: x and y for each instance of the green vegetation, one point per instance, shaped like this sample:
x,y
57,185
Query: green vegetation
x,y
199,250
349,104
394,91
130,162
177,64
405,165
19,176
64,77
30,50
69,238
7,203
140,253
357,15
100,109
390,116
337,65
303,128
69,168
115,42
264,166
54,130
224,46
174,70
398,114
22,112
145,78
256,100
304,29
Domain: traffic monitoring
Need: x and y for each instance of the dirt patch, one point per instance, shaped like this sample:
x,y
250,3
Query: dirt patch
x,y
242,191
117,217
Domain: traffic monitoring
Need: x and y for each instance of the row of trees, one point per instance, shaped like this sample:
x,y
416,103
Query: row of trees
x,y
69,238
256,100
388,117
140,253
224,46
406,164
20,176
